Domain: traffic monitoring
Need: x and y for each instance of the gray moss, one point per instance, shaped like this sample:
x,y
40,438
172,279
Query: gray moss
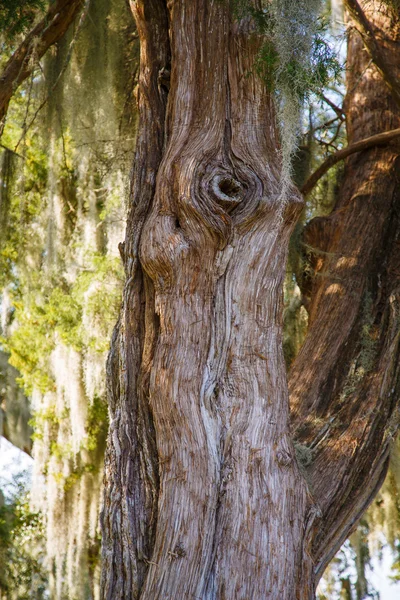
x,y
304,455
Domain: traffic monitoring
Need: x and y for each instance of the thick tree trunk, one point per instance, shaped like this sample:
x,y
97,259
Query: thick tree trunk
x,y
199,437
203,495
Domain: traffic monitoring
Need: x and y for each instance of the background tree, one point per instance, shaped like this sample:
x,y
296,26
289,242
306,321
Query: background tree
x,y
23,575
66,151
355,288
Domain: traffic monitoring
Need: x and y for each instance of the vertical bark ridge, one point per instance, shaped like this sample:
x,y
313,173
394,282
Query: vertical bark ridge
x,y
261,488
227,459
131,477
178,249
345,381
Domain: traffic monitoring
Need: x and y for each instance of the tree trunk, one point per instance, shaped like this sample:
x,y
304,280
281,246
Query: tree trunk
x,y
345,382
204,497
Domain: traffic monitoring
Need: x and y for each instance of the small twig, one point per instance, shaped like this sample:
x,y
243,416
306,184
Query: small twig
x,y
326,144
339,111
13,151
328,123
338,128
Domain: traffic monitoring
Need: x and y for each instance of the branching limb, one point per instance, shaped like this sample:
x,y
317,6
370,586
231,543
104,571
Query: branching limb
x,y
337,109
380,139
61,73
46,33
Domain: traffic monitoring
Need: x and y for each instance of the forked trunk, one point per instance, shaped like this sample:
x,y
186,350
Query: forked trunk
x,y
204,497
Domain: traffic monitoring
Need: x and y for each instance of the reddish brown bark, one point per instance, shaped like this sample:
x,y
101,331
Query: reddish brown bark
x,y
381,47
345,383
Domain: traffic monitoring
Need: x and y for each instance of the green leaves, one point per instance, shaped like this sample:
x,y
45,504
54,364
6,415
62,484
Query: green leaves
x,y
295,60
17,15
21,550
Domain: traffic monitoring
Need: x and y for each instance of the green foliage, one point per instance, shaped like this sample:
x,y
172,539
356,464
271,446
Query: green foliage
x,y
31,343
60,310
98,290
22,193
295,60
47,417
396,565
22,572
17,15
298,75
66,178
73,479
301,61
29,348
267,64
97,424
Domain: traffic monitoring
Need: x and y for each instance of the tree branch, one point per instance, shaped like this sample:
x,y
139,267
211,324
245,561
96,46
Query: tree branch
x,y
46,33
366,31
25,449
61,73
380,139
337,109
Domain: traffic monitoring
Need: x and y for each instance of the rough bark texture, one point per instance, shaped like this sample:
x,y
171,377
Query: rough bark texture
x,y
203,495
345,383
199,434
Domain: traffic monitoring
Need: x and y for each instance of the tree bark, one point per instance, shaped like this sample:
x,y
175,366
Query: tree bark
x,y
204,497
345,382
198,383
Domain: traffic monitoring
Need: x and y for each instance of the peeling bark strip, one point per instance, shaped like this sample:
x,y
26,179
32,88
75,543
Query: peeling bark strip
x,y
203,496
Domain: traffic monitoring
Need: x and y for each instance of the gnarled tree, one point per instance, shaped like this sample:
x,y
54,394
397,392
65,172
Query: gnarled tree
x,y
204,496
